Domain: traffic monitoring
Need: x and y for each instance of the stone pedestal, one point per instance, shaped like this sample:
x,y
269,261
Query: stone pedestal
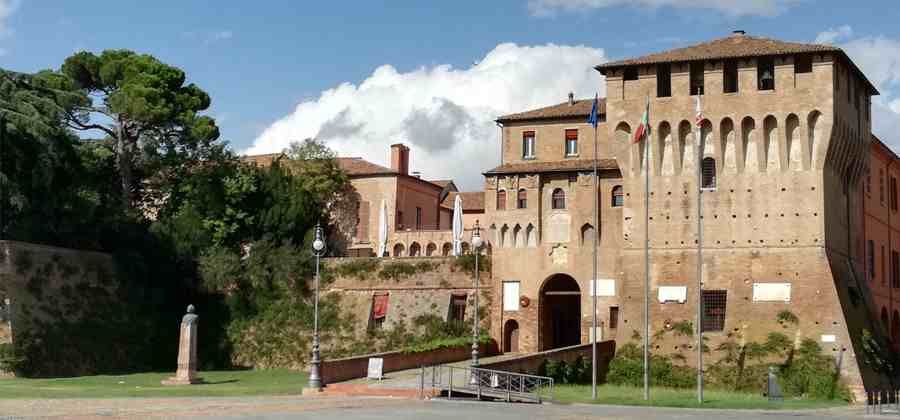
x,y
187,352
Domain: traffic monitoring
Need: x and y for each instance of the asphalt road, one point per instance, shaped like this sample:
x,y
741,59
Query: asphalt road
x,y
345,408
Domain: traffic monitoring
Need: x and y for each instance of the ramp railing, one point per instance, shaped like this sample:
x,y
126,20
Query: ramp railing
x,y
496,384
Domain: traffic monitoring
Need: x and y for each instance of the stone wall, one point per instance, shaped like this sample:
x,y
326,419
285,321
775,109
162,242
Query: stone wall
x,y
68,313
337,370
531,363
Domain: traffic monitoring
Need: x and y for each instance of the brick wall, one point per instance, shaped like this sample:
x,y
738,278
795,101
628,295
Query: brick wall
x,y
531,363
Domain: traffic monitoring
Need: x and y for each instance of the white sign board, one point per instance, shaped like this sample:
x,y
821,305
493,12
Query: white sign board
x,y
510,296
605,288
771,292
376,368
672,294
828,338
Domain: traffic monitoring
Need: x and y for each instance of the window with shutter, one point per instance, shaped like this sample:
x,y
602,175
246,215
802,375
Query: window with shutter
x,y
714,306
558,199
522,199
708,180
501,200
572,142
362,222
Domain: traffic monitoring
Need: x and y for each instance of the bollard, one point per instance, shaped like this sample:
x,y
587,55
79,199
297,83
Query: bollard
x,y
450,391
422,383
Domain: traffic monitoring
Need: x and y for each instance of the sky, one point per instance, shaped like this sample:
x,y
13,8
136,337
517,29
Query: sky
x,y
361,75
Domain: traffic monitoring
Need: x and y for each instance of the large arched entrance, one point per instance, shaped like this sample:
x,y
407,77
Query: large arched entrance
x,y
560,307
511,336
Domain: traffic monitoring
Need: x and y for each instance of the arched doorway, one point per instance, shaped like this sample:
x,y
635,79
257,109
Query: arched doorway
x,y
511,336
560,307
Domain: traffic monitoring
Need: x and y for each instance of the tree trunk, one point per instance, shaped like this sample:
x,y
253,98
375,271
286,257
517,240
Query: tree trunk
x,y
124,162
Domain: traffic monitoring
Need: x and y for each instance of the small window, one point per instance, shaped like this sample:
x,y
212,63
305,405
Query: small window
x,y
883,268
613,317
697,78
731,76
559,199
895,269
528,144
663,80
618,198
870,258
501,200
418,218
631,73
881,185
714,307
709,173
399,220
522,199
510,296
457,311
765,74
571,142
894,194
803,63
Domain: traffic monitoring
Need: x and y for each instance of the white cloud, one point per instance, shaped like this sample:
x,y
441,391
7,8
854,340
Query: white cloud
x,y
726,7
879,58
7,7
832,35
444,114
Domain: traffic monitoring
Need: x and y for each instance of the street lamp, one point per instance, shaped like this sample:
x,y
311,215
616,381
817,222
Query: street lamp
x,y
315,380
477,242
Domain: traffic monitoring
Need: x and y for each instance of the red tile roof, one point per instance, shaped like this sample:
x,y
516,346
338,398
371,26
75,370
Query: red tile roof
x,y
471,201
355,166
581,108
568,165
737,45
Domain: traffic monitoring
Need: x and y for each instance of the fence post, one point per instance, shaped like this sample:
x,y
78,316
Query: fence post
x,y
422,383
508,385
450,391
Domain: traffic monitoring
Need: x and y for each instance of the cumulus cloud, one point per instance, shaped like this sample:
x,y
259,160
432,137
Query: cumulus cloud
x,y
879,58
726,7
7,8
444,114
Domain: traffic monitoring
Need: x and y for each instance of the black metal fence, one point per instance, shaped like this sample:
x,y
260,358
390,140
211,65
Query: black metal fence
x,y
883,401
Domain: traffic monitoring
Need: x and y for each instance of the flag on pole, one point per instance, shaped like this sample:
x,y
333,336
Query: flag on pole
x,y
593,118
698,119
644,128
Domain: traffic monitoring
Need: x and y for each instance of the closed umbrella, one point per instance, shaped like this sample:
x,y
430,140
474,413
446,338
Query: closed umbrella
x,y
382,230
457,226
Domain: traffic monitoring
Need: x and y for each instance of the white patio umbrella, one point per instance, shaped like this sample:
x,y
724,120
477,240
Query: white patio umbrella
x,y
457,226
382,230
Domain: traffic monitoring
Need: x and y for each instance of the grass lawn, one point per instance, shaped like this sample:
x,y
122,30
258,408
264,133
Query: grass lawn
x,y
669,397
218,384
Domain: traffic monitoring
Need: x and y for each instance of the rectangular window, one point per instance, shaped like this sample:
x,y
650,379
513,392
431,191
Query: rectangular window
x,y
881,185
697,78
870,259
731,76
418,218
631,73
528,144
361,231
613,317
501,200
803,63
457,311
895,269
663,80
522,199
379,310
399,222
883,269
894,194
765,74
714,305
571,142
510,296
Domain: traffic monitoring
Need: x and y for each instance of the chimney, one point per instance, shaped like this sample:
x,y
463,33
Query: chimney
x,y
739,32
571,98
400,158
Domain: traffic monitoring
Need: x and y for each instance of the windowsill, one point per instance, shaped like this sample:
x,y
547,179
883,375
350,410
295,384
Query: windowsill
x,y
573,156
713,189
729,93
765,91
528,158
664,98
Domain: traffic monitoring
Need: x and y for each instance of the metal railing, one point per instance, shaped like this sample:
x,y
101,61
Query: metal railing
x,y
491,383
883,401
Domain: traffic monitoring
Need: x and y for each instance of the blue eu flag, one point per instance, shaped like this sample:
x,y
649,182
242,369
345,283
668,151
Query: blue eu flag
x,y
592,119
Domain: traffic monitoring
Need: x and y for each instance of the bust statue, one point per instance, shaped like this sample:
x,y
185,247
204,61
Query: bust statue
x,y
187,351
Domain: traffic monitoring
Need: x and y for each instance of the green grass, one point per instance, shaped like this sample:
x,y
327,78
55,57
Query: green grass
x,y
669,397
217,384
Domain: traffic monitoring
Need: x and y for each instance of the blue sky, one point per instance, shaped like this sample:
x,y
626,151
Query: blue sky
x,y
261,60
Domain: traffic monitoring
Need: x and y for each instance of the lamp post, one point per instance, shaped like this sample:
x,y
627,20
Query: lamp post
x,y
477,242
315,380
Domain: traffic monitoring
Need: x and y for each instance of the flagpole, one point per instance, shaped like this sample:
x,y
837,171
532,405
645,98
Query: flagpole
x,y
647,259
699,253
596,222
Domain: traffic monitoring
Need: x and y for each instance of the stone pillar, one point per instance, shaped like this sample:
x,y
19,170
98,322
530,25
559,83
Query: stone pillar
x,y
187,352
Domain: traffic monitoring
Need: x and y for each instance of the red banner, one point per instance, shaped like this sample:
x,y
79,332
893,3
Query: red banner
x,y
379,305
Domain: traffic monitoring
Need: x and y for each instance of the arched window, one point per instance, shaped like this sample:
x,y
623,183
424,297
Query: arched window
x,y
501,200
559,199
446,249
709,173
522,199
415,249
618,197
398,250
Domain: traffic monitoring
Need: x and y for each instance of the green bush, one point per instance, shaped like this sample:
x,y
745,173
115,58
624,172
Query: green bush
x,y
577,372
627,368
358,268
10,361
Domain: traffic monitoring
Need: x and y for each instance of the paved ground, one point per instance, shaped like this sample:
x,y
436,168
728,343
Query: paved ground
x,y
334,408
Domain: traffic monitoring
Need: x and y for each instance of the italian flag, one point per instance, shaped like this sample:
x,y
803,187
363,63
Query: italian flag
x,y
643,129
